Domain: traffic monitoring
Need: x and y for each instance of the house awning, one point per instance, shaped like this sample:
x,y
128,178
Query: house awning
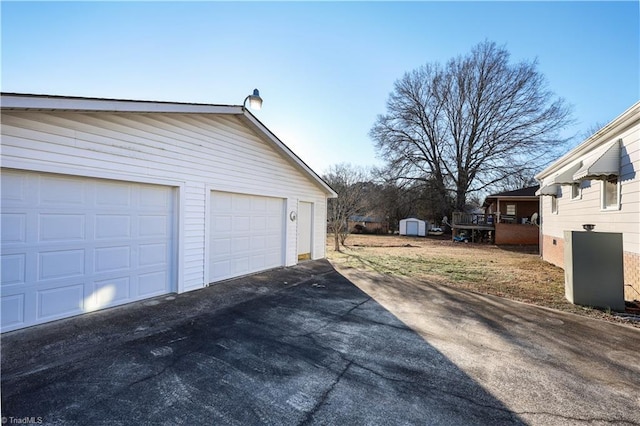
x,y
602,162
548,188
565,176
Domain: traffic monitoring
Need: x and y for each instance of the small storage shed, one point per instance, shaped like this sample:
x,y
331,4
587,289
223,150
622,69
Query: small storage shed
x,y
106,202
413,227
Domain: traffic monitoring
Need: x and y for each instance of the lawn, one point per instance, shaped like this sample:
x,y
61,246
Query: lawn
x,y
516,273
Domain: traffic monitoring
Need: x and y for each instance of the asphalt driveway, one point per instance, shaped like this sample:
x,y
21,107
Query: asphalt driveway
x,y
311,345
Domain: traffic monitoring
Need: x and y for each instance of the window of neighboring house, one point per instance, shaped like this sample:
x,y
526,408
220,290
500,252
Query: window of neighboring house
x,y
576,191
511,209
611,194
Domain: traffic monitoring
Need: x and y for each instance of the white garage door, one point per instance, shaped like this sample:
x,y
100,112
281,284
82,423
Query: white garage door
x,y
72,245
246,234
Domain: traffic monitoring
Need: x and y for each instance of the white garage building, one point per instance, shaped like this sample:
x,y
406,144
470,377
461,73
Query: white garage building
x,y
106,202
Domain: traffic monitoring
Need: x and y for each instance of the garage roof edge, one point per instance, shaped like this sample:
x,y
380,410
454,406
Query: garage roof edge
x,y
39,102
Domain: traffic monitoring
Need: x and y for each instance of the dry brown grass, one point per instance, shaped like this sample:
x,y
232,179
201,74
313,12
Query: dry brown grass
x,y
516,273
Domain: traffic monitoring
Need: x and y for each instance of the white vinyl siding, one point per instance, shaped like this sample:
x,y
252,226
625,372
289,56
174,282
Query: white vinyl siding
x,y
195,152
572,214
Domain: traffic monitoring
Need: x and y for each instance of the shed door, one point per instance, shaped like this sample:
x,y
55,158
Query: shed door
x,y
72,245
246,234
412,227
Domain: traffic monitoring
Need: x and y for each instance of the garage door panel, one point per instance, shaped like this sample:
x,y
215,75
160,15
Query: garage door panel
x,y
61,264
258,224
113,194
61,257
240,266
259,242
13,310
14,269
152,284
154,199
221,247
109,259
246,234
110,226
62,301
153,226
14,188
58,191
240,245
221,224
241,203
61,227
241,223
13,227
108,291
152,254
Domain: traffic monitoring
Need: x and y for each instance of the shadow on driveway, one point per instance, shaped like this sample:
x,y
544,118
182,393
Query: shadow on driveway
x,y
301,345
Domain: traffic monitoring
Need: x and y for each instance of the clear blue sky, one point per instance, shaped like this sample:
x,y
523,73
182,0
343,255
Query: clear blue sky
x,y
324,69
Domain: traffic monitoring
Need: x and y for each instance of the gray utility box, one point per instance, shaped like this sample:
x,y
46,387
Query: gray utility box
x,y
593,269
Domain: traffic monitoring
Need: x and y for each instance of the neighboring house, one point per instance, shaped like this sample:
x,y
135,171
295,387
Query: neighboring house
x,y
506,219
598,182
367,225
514,211
106,202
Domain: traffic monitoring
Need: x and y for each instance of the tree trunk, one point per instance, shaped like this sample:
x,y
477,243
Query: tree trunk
x,y
336,240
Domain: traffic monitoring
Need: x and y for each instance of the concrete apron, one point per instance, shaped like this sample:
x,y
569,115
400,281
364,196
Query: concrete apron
x,y
304,345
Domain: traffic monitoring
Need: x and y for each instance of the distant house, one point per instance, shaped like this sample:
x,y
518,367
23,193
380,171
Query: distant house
x,y
508,218
368,225
516,211
598,183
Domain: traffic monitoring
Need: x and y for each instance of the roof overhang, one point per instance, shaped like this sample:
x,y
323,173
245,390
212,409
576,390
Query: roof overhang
x,y
601,163
18,101
30,102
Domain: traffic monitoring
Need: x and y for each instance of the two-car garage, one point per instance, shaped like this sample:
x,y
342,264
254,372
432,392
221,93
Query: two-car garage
x,y
106,202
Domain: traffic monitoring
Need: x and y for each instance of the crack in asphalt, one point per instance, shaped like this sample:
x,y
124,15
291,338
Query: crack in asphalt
x,y
325,395
332,321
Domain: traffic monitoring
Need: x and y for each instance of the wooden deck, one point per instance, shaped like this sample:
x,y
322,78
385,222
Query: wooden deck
x,y
473,220
481,226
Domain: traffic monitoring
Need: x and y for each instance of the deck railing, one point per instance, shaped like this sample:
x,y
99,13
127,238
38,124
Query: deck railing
x,y
473,219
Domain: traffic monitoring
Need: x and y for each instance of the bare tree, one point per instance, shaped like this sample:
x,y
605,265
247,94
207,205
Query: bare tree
x,y
470,124
396,199
352,186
